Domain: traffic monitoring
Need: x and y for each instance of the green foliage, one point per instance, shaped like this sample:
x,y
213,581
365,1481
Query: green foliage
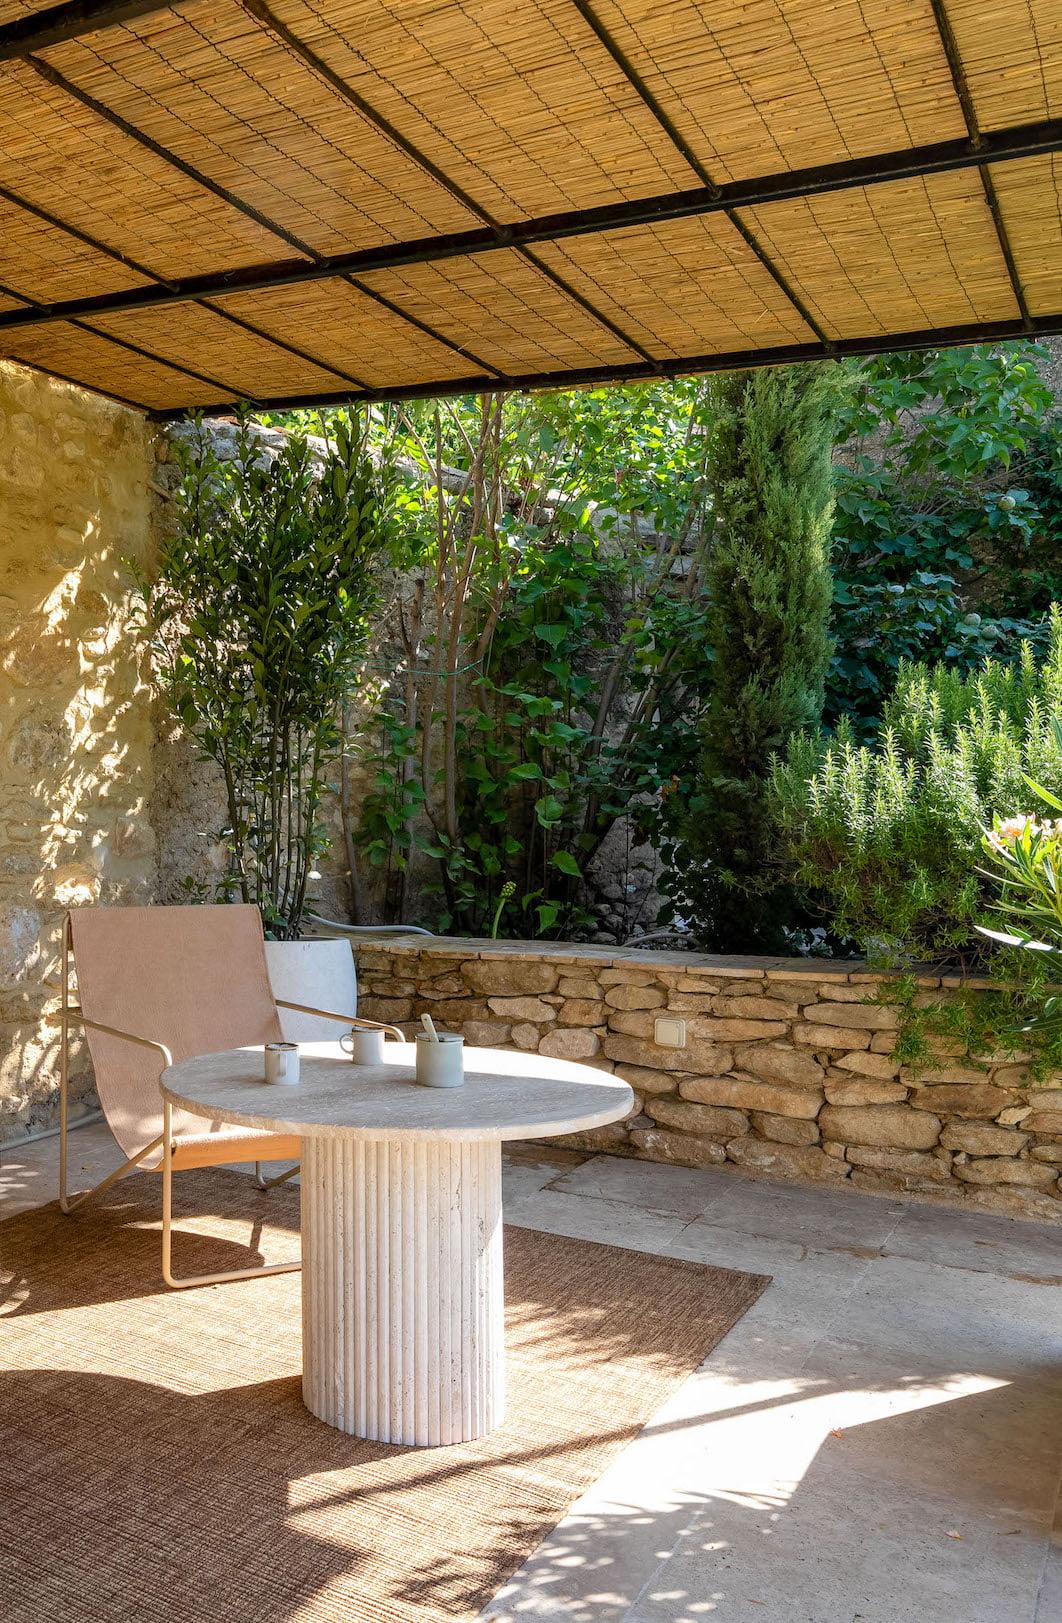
x,y
1025,857
258,623
885,837
550,648
768,581
948,532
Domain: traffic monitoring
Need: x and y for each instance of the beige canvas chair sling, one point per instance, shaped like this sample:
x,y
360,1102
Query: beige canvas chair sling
x,y
157,985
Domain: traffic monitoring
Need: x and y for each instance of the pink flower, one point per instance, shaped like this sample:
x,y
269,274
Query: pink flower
x,y
1006,834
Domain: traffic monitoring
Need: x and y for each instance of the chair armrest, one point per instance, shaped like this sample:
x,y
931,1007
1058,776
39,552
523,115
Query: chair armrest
x,y
343,1019
126,1036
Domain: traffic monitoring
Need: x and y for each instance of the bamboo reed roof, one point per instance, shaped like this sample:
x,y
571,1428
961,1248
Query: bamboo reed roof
x,y
294,201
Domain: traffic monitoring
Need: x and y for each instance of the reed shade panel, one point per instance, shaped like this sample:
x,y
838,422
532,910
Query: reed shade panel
x,y
196,336
49,264
901,257
355,331
506,310
216,88
781,84
1012,55
71,352
518,103
69,161
159,1438
1030,197
235,157
690,285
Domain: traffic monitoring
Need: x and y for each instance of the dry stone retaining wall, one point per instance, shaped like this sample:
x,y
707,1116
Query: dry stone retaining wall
x,y
788,1068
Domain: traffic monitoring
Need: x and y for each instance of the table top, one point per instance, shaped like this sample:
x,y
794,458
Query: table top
x,y
504,1095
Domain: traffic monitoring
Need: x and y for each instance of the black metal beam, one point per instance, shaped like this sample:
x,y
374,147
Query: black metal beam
x,y
261,12
964,95
686,366
136,349
641,89
69,21
282,344
422,326
573,293
997,146
156,359
73,19
18,201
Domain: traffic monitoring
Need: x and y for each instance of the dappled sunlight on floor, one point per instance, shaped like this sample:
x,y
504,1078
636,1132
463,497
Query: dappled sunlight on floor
x,y
878,1440
782,1513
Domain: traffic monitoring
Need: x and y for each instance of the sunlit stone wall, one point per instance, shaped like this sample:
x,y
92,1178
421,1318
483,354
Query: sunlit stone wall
x,y
75,722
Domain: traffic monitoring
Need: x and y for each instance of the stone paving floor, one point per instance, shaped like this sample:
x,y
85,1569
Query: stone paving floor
x,y
879,1440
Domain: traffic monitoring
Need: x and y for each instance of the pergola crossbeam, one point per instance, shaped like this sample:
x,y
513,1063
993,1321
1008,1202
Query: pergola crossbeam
x,y
262,13
998,146
155,281
661,370
71,20
101,110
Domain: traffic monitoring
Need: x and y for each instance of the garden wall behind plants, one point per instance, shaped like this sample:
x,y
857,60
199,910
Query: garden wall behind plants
x,y
788,1071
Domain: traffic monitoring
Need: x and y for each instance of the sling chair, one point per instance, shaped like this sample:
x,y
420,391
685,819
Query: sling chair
x,y
157,985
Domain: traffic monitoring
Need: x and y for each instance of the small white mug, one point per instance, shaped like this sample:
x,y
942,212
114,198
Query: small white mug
x,y
364,1047
282,1063
441,1060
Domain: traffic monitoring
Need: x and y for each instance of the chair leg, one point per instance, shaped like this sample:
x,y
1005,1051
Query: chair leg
x,y
271,1183
70,1203
167,1228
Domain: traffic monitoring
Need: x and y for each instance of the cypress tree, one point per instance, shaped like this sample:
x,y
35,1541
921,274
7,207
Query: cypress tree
x,y
771,474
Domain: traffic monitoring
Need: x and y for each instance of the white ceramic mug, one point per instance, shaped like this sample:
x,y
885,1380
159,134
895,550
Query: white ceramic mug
x,y
441,1061
364,1047
282,1063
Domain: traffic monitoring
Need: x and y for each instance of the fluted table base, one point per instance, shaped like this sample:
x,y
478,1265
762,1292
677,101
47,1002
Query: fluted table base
x,y
403,1338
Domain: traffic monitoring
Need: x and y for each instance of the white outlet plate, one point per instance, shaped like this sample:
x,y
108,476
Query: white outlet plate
x,y
670,1031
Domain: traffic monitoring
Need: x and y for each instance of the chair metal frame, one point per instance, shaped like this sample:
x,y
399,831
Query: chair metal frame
x,y
69,1203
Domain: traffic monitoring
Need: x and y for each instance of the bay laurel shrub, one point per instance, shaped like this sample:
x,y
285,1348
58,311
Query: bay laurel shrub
x,y
258,615
886,838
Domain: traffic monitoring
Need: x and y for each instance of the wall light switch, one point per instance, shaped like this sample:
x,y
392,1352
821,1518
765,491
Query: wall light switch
x,y
670,1031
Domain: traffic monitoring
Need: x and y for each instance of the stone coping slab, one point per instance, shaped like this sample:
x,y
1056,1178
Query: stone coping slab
x,y
736,965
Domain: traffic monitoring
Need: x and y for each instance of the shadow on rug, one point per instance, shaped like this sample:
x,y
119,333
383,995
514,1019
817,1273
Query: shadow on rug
x,y
158,1464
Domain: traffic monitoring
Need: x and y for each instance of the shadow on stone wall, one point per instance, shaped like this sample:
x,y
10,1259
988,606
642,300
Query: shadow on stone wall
x,y
75,725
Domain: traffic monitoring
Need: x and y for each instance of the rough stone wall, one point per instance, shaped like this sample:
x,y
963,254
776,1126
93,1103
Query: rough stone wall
x,y
788,1068
75,720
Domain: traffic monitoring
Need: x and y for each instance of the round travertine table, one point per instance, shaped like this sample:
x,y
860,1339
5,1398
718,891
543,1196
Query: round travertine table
x,y
402,1298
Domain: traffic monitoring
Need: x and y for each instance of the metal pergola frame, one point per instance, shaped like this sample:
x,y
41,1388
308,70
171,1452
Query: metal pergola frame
x,y
979,151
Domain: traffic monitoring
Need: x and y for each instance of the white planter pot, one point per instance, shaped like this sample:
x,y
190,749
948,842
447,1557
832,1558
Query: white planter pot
x,y
320,973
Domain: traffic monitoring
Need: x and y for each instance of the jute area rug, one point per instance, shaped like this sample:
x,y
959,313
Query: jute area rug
x,y
157,1463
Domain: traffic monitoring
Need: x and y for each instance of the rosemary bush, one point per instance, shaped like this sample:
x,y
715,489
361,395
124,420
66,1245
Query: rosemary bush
x,y
887,837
